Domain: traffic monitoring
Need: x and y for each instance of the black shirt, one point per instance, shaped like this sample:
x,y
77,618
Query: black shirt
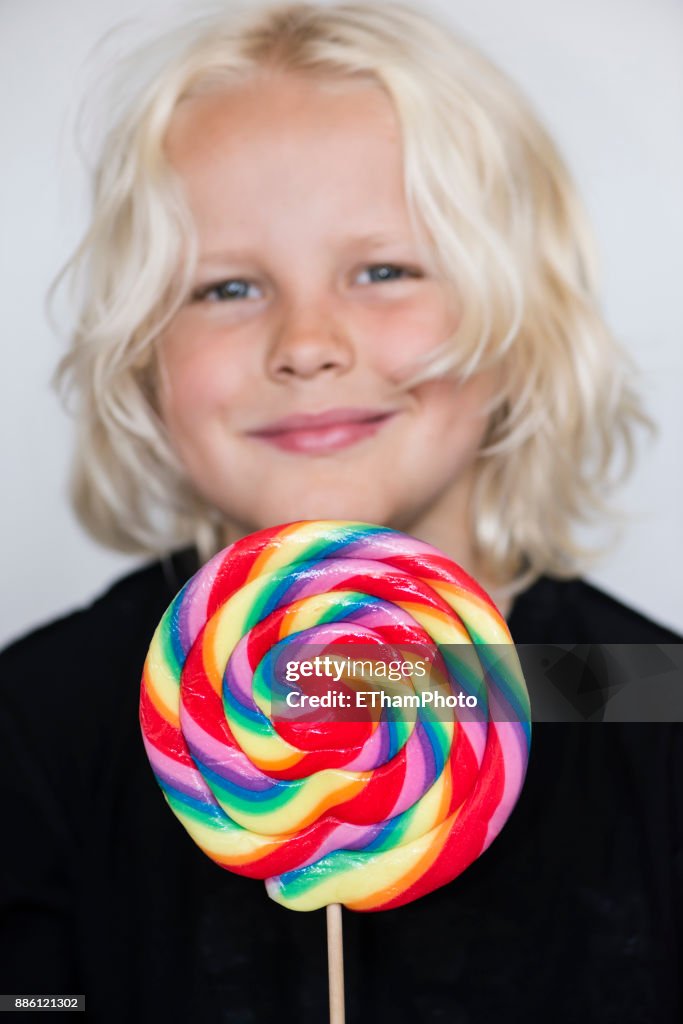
x,y
573,914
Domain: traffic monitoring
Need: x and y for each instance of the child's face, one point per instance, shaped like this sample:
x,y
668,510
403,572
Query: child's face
x,y
298,200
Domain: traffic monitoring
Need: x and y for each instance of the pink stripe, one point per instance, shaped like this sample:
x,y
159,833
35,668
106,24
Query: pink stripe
x,y
343,836
476,733
197,596
368,757
187,778
415,781
513,745
240,672
216,754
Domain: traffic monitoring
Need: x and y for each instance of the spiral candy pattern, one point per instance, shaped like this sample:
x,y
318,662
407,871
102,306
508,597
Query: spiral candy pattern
x,y
379,812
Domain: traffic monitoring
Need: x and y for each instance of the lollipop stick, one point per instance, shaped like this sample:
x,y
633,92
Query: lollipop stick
x,y
335,963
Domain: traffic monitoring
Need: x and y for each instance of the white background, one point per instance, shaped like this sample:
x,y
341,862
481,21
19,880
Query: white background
x,y
606,77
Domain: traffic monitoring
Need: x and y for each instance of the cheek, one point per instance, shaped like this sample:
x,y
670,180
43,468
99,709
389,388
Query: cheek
x,y
196,380
410,332
458,411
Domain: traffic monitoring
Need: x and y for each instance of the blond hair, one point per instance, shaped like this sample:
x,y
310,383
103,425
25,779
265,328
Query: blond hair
x,y
486,186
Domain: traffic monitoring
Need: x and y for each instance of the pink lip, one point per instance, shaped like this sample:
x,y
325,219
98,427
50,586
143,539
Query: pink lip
x,y
320,433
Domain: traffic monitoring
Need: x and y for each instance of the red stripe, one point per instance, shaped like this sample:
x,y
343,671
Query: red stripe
x,y
292,853
161,733
199,698
237,565
378,799
393,588
437,567
466,839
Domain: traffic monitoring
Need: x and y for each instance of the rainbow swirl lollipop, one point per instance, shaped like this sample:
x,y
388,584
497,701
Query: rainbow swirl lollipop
x,y
371,810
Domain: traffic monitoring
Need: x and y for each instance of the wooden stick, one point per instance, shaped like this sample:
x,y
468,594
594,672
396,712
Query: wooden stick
x,y
335,963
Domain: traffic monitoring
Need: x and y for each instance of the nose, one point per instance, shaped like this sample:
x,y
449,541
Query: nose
x,y
309,342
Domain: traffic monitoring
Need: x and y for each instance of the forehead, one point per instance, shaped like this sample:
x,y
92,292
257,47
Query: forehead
x,y
282,103
314,130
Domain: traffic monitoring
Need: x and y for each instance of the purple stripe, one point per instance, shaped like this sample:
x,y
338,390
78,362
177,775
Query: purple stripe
x,y
180,777
228,762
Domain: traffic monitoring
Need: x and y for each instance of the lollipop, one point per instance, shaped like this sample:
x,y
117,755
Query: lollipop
x,y
370,810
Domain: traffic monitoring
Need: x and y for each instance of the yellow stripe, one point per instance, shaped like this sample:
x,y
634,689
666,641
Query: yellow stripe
x,y
162,685
290,544
266,752
307,611
371,879
319,793
441,627
485,620
277,554
229,844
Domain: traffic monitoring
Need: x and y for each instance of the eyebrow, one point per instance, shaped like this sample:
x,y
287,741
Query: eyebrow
x,y
352,241
381,238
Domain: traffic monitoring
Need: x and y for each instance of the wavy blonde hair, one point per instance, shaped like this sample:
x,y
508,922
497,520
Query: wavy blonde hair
x,y
486,186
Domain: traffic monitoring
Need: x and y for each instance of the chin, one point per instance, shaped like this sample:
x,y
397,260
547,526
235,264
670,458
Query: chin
x,y
324,506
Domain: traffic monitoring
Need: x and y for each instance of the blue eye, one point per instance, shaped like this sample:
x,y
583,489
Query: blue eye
x,y
387,272
223,291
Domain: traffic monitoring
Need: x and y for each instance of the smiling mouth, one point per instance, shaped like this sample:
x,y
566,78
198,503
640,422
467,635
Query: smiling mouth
x,y
323,433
